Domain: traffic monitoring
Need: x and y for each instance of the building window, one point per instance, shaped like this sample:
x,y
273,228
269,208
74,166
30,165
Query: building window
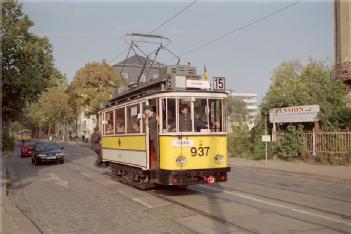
x,y
143,78
125,75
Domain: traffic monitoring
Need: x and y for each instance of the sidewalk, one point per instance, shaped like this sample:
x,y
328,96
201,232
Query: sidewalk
x,y
297,167
13,221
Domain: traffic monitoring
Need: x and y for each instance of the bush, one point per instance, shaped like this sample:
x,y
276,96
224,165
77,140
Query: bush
x,y
238,141
289,147
8,142
257,147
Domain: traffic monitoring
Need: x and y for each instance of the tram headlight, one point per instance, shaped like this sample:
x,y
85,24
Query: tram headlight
x,y
219,159
181,160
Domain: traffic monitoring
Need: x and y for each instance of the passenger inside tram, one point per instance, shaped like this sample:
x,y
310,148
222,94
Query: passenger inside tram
x,y
136,126
171,121
200,121
120,126
109,128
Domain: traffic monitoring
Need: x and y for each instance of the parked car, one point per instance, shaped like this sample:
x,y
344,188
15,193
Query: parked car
x,y
47,152
27,148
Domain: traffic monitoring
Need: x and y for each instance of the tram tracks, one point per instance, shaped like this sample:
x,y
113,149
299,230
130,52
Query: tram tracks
x,y
232,223
202,189
202,213
281,213
344,216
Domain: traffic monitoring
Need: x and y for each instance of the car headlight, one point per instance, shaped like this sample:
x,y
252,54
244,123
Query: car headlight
x,y
181,160
41,155
60,154
219,159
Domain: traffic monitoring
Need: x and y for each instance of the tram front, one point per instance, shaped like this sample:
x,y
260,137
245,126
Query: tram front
x,y
193,136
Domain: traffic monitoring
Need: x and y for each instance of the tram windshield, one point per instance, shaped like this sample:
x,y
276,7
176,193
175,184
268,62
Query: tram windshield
x,y
193,115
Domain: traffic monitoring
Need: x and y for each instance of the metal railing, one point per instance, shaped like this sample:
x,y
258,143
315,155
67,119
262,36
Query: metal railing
x,y
325,142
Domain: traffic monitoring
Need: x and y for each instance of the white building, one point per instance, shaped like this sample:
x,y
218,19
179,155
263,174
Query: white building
x,y
251,101
85,125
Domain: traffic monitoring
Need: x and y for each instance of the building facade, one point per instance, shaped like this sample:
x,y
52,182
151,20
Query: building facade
x,y
85,125
342,42
251,101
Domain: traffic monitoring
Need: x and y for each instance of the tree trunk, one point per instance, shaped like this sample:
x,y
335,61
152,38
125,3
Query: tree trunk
x,y
49,131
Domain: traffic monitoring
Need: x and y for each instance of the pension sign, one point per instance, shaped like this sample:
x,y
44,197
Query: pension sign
x,y
294,114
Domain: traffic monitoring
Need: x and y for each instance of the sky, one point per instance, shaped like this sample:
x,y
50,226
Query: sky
x,y
86,31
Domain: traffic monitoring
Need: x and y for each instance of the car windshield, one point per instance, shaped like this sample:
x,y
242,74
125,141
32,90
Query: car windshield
x,y
47,146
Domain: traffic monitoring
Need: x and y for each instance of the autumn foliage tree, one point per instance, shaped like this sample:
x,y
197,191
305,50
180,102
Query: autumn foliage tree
x,y
53,108
93,84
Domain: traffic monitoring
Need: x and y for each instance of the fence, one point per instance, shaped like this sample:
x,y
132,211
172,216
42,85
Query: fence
x,y
325,142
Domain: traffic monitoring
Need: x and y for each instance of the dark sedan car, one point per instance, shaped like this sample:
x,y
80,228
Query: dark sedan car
x,y
27,148
47,152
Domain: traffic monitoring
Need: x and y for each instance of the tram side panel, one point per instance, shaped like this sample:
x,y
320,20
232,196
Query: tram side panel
x,y
128,150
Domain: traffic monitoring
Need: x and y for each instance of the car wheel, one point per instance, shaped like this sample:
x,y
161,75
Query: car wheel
x,y
36,162
62,161
32,160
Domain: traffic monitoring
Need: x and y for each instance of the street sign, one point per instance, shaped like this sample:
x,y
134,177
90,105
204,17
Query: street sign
x,y
294,114
266,138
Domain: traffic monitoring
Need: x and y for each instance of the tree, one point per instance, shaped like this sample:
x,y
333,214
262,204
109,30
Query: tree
x,y
236,109
55,107
296,84
94,84
27,62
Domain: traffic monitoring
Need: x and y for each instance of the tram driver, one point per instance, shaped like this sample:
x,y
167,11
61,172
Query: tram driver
x,y
152,124
184,119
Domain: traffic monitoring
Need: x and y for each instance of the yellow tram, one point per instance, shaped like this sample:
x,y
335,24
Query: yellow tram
x,y
24,135
188,148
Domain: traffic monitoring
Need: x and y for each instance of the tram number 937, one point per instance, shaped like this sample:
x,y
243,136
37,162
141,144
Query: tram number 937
x,y
200,151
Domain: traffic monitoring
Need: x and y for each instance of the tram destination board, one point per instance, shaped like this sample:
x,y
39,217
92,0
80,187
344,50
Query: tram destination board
x,y
219,83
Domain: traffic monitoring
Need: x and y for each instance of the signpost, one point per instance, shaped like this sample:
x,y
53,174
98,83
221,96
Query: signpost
x,y
266,138
295,114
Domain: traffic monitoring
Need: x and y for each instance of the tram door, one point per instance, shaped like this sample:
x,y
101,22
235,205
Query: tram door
x,y
153,137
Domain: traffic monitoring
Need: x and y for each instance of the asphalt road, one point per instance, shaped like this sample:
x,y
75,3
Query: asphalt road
x,y
77,197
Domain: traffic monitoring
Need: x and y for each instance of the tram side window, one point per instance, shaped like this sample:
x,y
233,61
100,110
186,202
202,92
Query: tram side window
x,y
120,121
100,121
133,122
169,115
215,106
185,123
109,122
200,115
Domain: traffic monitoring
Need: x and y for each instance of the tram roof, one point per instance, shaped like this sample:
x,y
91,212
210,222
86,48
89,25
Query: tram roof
x,y
149,88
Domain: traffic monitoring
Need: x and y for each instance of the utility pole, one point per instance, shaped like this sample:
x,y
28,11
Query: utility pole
x,y
265,125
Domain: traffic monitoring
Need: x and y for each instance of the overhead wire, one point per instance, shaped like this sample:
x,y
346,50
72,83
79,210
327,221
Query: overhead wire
x,y
158,27
175,15
237,29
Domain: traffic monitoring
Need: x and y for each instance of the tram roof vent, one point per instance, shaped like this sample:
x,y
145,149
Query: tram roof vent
x,y
177,70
